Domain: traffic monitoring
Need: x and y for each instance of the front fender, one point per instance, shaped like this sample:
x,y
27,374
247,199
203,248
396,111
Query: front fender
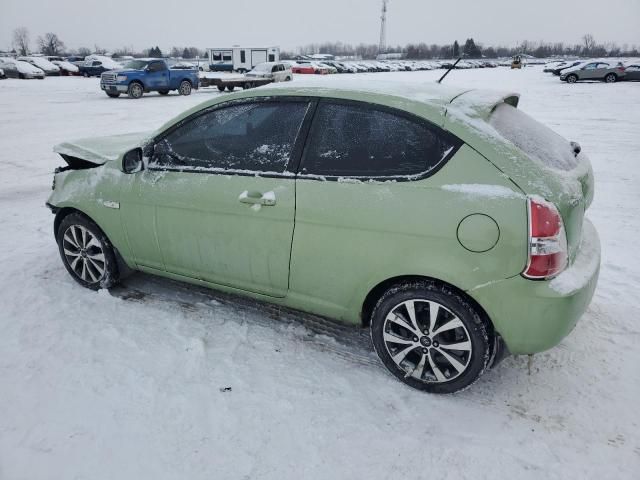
x,y
94,192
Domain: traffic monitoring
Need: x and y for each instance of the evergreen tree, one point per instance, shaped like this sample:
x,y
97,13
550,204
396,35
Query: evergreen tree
x,y
456,49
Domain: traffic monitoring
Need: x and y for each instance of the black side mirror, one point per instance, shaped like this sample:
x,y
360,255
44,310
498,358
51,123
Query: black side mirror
x,y
132,161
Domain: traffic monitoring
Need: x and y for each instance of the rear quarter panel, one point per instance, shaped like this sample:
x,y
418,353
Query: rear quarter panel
x,y
351,236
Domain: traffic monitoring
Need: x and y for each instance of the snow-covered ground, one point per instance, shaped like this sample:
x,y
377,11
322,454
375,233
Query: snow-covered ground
x,y
159,380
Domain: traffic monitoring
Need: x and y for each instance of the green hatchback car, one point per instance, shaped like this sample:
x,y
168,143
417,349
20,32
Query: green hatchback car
x,y
446,220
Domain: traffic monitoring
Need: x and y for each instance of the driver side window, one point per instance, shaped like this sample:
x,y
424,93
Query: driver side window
x,y
257,137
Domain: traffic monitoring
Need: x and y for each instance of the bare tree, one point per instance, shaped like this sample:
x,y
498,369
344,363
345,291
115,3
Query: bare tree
x,y
588,44
21,40
50,44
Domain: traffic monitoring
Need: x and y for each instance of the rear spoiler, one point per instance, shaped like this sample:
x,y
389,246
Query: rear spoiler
x,y
481,103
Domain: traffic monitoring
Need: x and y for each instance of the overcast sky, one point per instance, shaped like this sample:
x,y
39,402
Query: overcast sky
x,y
289,23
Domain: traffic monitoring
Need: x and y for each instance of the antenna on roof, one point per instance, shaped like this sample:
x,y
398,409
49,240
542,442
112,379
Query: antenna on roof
x,y
450,68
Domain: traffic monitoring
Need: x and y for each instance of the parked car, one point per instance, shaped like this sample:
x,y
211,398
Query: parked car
x,y
566,65
148,75
18,69
303,68
231,195
276,71
2,75
43,64
96,65
66,68
607,71
631,72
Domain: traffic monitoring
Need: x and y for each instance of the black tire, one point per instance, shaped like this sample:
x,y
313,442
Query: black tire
x,y
247,86
21,76
221,88
109,264
163,92
230,87
185,88
113,95
288,79
611,78
85,74
427,349
135,90
572,78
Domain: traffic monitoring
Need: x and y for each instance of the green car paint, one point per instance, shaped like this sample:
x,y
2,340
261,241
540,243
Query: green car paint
x,y
327,245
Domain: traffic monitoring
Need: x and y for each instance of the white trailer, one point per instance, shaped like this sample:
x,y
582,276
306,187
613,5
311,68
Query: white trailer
x,y
241,59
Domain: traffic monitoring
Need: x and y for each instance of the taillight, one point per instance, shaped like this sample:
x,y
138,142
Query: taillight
x,y
547,240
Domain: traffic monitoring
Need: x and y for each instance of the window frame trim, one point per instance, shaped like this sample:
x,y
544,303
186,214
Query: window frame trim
x,y
296,151
457,144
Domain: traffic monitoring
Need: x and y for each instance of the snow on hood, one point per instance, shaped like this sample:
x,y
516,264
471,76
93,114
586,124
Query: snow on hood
x,y
100,150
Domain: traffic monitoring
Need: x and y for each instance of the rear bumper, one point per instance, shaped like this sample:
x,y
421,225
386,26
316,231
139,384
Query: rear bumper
x,y
533,316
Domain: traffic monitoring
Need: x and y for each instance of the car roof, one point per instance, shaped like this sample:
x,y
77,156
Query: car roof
x,y
430,100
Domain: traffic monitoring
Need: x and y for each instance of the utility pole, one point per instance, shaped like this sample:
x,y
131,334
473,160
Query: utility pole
x,y
383,28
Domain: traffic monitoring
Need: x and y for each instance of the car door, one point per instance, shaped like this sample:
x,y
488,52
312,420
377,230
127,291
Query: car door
x,y
157,77
589,72
217,201
632,72
353,204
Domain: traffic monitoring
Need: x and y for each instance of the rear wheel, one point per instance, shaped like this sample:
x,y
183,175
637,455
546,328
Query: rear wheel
x,y
185,88
85,74
572,78
221,88
86,252
430,337
135,90
230,87
113,94
611,78
248,85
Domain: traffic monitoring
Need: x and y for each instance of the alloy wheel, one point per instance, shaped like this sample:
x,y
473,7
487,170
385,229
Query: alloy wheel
x,y
84,254
427,341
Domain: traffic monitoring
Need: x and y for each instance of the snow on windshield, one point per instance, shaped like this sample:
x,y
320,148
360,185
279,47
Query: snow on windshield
x,y
136,64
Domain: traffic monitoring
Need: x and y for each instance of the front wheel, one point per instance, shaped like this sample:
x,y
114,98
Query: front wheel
x,y
430,337
611,78
230,87
86,252
113,95
185,88
572,79
221,88
135,90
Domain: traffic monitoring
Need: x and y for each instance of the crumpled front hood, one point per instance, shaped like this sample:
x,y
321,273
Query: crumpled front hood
x,y
100,150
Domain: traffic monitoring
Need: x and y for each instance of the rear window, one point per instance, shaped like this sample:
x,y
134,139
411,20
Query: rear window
x,y
533,138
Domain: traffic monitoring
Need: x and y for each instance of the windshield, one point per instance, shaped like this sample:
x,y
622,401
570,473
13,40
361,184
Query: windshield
x,y
263,67
136,64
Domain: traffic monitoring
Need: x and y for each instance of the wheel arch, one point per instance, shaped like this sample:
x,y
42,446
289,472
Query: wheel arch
x,y
378,290
64,212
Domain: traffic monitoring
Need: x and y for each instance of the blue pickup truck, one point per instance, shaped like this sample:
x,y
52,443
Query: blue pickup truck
x,y
148,75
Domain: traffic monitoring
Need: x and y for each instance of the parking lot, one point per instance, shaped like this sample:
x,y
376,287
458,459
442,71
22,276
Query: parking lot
x,y
142,381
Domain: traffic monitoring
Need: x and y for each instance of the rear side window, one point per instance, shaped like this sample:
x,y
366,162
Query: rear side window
x,y
360,140
535,139
258,137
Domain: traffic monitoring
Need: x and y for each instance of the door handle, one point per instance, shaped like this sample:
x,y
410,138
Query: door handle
x,y
268,199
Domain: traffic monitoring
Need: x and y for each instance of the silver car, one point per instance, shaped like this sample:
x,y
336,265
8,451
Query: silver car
x,y
278,72
606,71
